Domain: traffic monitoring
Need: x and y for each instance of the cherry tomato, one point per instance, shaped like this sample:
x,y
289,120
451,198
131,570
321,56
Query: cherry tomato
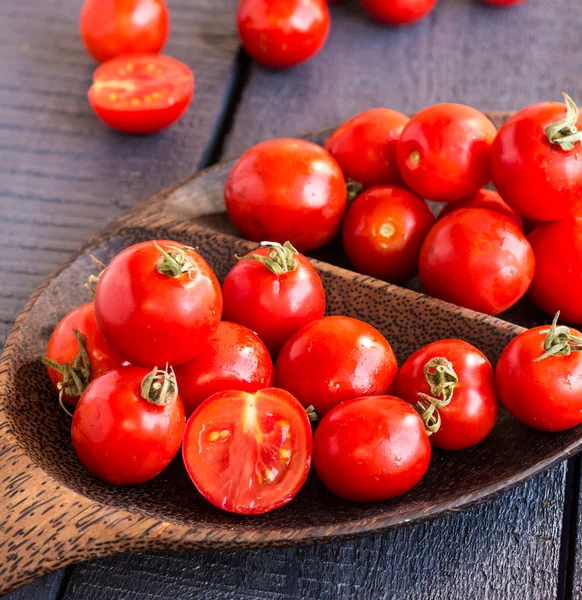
x,y
365,146
557,284
86,353
335,359
141,94
128,425
248,453
539,377
503,2
455,374
398,12
538,178
484,199
384,230
158,303
113,27
477,258
371,449
274,291
283,33
444,152
234,358
287,190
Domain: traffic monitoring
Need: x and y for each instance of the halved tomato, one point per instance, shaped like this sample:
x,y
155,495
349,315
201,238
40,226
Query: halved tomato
x,y
248,453
141,93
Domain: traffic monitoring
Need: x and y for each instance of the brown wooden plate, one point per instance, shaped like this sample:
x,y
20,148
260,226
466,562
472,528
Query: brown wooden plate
x,y
53,512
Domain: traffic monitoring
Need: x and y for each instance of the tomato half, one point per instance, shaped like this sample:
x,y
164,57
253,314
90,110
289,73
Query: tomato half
x,y
141,93
398,12
248,453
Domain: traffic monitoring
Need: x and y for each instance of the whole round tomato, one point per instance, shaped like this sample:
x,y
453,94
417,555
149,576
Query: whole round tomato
x,y
557,284
503,2
452,384
77,353
444,152
539,377
141,94
535,167
484,199
335,359
248,453
128,425
384,230
371,449
233,358
283,33
274,291
113,27
287,190
158,303
365,146
398,12
477,258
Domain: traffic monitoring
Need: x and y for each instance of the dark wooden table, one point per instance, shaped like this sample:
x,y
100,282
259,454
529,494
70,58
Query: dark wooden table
x,y
63,176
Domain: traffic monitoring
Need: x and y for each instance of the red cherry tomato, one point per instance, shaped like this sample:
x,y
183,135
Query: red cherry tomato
x,y
456,373
371,449
384,230
141,94
283,33
274,291
65,354
248,453
539,377
539,179
122,437
365,146
287,189
483,199
158,303
335,359
233,358
444,152
477,258
398,12
503,2
113,27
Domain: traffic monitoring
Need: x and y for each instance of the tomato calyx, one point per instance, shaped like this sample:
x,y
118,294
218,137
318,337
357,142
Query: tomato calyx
x,y
93,280
565,132
312,414
559,341
353,189
281,257
159,387
176,261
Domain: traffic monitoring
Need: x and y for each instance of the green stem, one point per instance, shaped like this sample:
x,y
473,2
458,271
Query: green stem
x,y
159,387
93,280
281,257
353,189
559,341
565,132
176,261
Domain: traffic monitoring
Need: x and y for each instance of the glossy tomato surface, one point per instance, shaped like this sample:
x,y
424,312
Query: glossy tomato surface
x,y
503,2
142,93
335,359
398,12
384,230
371,449
248,453
154,318
365,146
233,358
121,437
283,33
477,258
472,411
444,152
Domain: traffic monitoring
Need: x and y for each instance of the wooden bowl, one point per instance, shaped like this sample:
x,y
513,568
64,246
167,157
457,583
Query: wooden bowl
x,y
53,512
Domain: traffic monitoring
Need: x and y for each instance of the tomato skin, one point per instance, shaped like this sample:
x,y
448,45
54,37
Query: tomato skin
x,y
371,449
384,230
365,146
537,179
333,360
472,412
503,2
268,434
283,33
234,358
477,258
444,153
398,12
119,436
151,318
545,395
